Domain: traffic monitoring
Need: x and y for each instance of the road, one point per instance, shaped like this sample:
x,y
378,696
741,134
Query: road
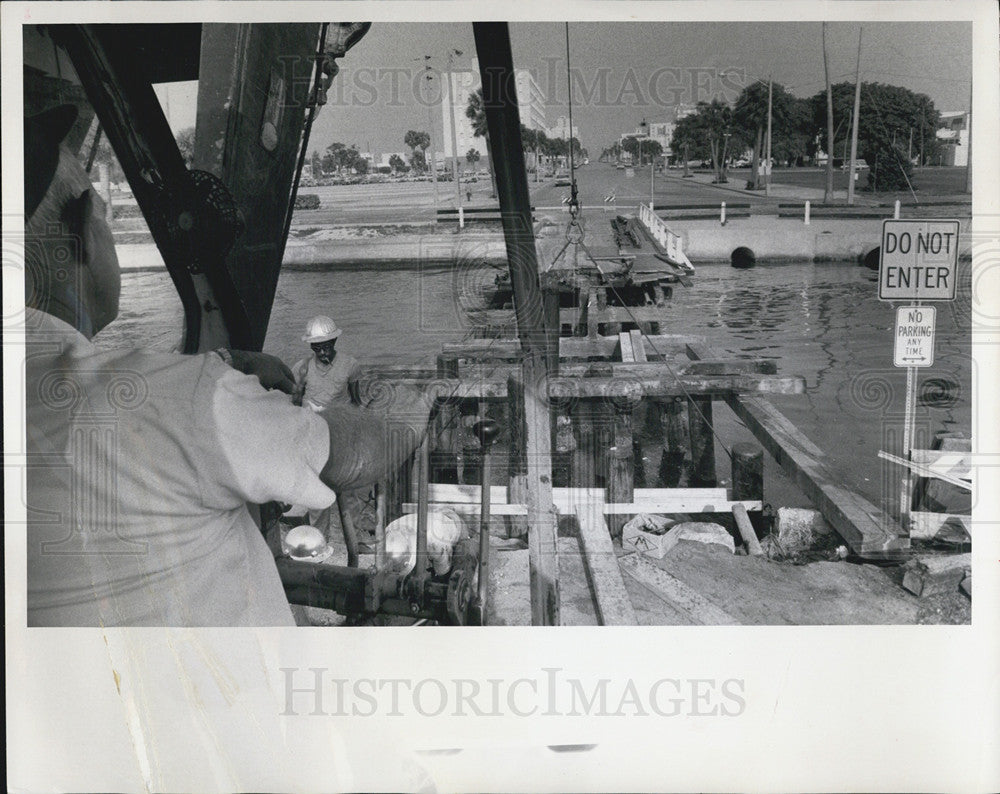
x,y
414,202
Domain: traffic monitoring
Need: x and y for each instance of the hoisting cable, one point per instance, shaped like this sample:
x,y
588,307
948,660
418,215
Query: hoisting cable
x,y
574,205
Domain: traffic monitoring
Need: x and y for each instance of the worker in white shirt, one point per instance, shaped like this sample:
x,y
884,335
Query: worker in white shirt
x,y
141,464
325,377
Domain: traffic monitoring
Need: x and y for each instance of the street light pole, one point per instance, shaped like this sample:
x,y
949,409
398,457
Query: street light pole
x,y
854,126
767,164
433,163
454,143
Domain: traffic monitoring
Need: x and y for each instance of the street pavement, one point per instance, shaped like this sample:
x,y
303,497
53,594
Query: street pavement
x,y
601,185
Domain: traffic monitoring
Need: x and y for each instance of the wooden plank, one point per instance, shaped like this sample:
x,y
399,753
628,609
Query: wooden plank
x,y
605,314
946,463
614,607
568,507
573,347
468,510
611,387
678,506
926,525
866,527
470,494
746,530
932,575
448,492
625,343
672,590
731,367
924,470
604,346
638,346
659,494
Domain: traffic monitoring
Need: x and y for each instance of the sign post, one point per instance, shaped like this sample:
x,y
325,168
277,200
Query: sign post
x,y
918,261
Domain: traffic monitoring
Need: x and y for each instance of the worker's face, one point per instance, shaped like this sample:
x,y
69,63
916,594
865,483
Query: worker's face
x,y
74,272
325,351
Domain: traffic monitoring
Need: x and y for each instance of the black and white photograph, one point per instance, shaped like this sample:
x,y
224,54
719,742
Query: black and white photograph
x,y
596,397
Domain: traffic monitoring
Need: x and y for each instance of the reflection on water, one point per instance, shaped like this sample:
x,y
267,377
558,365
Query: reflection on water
x,y
823,322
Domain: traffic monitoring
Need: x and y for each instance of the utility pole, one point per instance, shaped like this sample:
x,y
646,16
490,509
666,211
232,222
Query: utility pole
x,y
854,126
968,156
454,143
767,164
652,157
828,191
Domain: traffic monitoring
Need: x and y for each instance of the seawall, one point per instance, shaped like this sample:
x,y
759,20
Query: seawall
x,y
772,239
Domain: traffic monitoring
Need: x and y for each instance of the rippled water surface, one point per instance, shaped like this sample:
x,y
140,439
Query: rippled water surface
x,y
823,322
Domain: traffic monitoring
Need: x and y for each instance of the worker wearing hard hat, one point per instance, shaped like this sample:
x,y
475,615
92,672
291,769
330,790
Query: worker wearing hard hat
x,y
324,378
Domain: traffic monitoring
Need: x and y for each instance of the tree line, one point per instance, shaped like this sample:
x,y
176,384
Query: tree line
x,y
896,129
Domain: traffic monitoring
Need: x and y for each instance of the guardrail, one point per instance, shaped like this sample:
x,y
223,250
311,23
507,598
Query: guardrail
x,y
670,243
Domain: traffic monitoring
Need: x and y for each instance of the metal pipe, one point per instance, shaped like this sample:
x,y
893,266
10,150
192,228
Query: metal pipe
x,y
484,527
423,476
380,510
503,122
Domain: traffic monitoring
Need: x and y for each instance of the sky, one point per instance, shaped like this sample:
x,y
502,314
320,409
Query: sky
x,y
624,72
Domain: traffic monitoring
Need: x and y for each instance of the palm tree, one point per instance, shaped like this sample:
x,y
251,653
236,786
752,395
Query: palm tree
x,y
750,116
417,140
475,112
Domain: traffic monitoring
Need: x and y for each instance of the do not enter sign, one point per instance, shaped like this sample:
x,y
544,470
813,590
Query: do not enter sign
x,y
918,260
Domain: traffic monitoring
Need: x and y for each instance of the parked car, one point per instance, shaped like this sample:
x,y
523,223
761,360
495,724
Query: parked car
x,y
860,165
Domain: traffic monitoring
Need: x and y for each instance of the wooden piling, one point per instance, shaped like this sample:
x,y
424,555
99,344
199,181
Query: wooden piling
x,y
530,389
675,441
748,472
621,464
447,436
702,442
517,461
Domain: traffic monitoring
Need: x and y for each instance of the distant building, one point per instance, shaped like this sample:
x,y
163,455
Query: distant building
x,y
461,84
662,132
386,156
953,136
561,129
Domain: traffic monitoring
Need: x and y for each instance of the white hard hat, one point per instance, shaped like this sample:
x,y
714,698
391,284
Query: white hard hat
x,y
321,329
444,529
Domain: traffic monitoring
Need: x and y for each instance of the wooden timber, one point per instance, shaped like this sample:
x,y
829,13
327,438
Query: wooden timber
x,y
607,388
570,347
747,531
695,606
868,529
614,607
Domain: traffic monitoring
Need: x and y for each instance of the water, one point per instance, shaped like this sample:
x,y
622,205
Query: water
x,y
823,322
